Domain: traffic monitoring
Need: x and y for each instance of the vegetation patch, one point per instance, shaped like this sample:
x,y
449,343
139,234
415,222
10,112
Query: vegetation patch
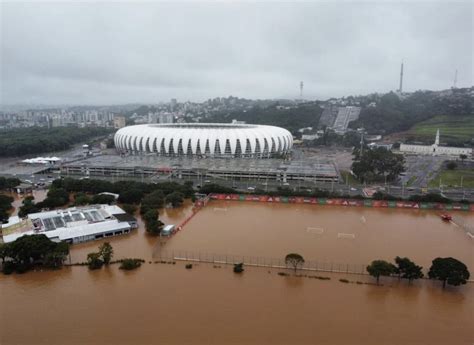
x,y
130,264
31,140
452,178
453,128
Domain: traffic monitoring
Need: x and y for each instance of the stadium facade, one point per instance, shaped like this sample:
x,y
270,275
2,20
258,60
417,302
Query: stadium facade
x,y
205,140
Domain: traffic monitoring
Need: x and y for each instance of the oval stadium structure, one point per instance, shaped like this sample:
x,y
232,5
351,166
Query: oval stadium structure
x,y
205,140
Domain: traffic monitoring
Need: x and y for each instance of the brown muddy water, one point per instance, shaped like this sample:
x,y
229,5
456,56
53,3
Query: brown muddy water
x,y
167,304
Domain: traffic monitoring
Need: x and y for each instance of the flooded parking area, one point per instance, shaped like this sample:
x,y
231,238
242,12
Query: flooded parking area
x,y
167,304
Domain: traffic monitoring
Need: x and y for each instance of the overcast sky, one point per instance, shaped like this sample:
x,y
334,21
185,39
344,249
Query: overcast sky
x,y
103,53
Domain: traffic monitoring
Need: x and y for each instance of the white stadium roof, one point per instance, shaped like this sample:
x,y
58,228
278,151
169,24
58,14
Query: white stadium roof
x,y
205,139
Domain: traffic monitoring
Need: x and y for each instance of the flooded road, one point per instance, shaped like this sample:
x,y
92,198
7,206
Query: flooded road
x,y
167,304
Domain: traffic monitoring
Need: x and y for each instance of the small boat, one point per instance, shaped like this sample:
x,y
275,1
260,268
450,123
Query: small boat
x,y
446,217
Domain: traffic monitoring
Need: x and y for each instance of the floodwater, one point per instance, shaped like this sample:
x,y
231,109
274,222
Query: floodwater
x,y
38,194
167,304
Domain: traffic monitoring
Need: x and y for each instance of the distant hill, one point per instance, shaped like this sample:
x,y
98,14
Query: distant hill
x,y
394,114
291,118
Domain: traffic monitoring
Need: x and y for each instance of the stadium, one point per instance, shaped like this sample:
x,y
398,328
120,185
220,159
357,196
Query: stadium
x,y
205,140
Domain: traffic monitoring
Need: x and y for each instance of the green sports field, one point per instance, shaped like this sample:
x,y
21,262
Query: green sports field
x,y
451,128
452,178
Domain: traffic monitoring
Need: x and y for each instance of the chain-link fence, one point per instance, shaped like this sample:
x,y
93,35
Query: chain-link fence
x,y
258,261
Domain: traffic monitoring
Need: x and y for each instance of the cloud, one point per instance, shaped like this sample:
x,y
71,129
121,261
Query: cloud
x,y
102,53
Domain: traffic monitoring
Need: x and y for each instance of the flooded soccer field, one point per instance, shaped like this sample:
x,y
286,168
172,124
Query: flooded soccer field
x,y
167,304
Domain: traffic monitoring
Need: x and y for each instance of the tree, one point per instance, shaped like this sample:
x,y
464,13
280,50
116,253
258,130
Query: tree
x,y
449,270
30,250
103,199
131,196
153,225
129,208
463,157
106,252
5,205
377,164
451,165
3,252
94,261
81,199
294,260
28,207
380,268
175,199
154,200
55,258
407,269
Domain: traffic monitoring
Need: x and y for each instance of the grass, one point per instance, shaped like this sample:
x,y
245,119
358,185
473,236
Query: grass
x,y
451,128
347,176
453,178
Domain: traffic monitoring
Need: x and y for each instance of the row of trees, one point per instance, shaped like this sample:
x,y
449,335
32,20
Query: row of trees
x,y
448,270
32,140
30,251
81,199
130,192
104,256
8,182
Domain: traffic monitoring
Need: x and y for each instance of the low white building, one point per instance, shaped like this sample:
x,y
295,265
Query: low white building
x,y
435,149
75,224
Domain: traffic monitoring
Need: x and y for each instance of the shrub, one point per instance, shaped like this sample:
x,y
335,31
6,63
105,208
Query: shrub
x,y
238,268
451,165
344,281
189,266
8,267
130,264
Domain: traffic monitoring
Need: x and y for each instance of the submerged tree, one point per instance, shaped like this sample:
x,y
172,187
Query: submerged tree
x,y
380,268
449,270
94,261
294,260
407,269
106,252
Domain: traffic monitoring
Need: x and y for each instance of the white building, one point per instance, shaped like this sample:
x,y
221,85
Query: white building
x,y
435,149
213,140
76,224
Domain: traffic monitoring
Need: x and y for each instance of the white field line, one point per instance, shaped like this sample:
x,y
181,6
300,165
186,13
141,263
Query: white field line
x,y
314,230
344,235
